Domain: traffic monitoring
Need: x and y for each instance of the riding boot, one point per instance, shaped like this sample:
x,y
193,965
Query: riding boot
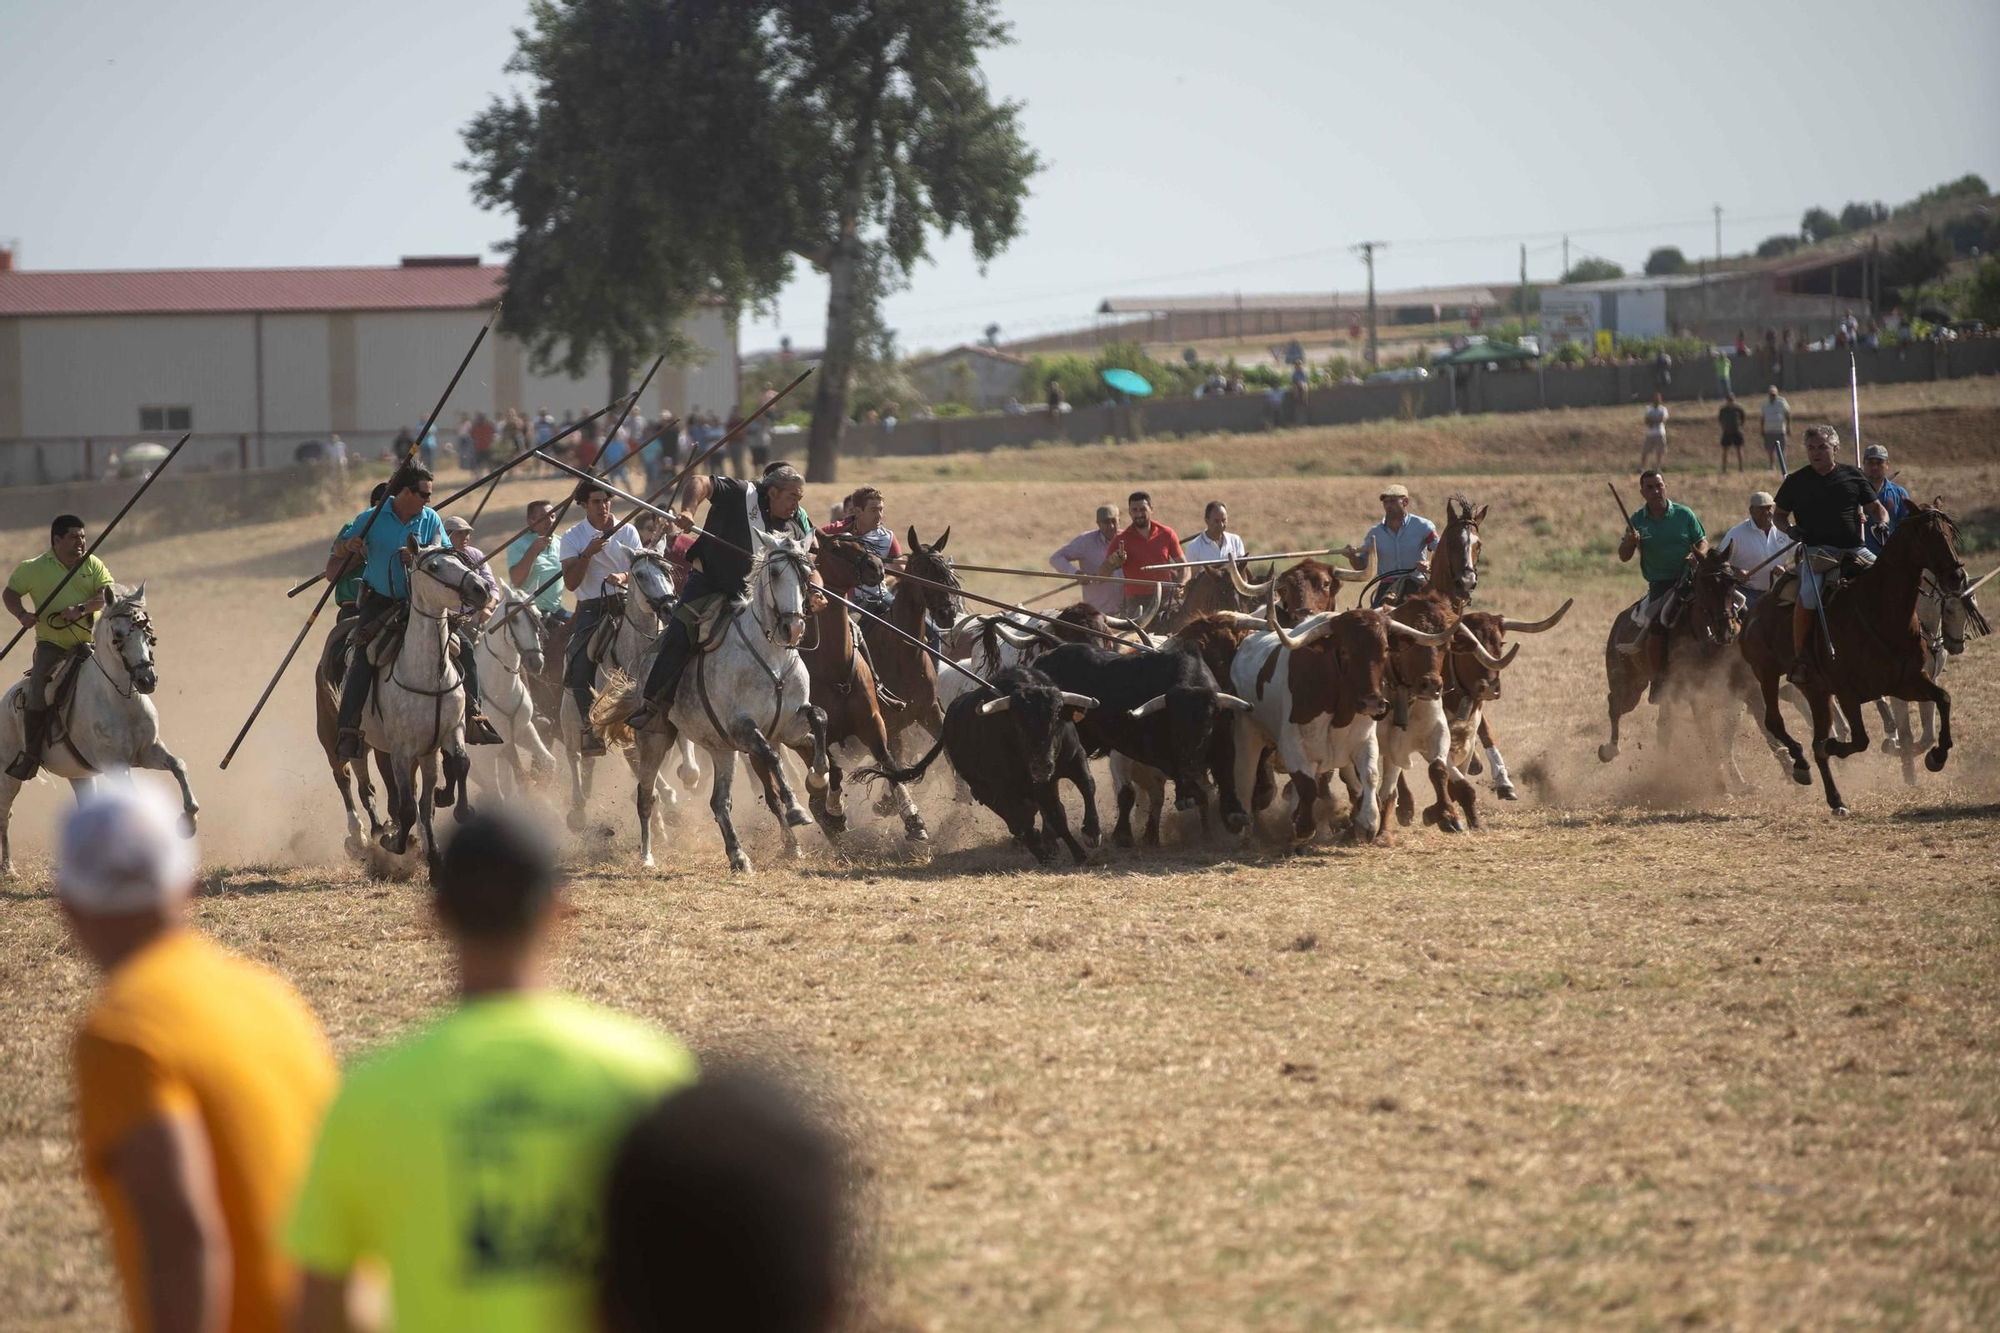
x,y
664,679
354,698
478,731
25,764
884,700
1656,664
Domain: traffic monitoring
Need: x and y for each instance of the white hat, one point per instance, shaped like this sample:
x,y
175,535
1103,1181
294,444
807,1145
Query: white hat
x,y
1761,499
457,523
121,852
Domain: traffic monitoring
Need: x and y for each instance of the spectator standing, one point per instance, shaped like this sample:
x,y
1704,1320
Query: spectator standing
x,y
611,459
470,1160
1723,388
482,441
739,448
200,1076
1055,400
513,434
1731,418
1742,344
1777,421
1663,372
760,433
545,427
1755,540
461,440
1656,432
1215,541
1084,554
1144,542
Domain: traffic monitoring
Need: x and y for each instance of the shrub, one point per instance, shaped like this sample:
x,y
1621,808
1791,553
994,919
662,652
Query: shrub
x,y
1395,465
1198,471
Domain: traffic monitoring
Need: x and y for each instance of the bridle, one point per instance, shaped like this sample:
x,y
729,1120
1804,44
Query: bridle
x,y
1726,585
944,607
139,629
1460,541
763,578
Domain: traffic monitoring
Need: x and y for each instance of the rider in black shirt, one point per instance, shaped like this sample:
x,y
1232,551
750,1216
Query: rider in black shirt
x,y
1821,506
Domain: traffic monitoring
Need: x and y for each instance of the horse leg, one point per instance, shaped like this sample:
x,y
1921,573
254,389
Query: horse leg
x,y
426,782
648,756
1406,804
1086,787
1851,706
724,762
758,748
1822,722
1774,725
344,780
1890,730
1503,783
1609,750
9,789
1930,692
457,768
157,755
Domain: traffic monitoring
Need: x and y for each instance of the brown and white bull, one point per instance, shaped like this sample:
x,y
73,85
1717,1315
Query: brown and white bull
x,y
1479,653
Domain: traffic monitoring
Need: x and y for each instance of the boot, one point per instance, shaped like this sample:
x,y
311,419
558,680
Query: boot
x,y
1656,665
665,678
29,761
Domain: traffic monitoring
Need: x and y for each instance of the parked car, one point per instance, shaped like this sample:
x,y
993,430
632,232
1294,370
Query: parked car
x,y
1400,375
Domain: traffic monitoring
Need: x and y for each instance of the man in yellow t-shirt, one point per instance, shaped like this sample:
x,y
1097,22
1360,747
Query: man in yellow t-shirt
x,y
469,1159
200,1078
61,621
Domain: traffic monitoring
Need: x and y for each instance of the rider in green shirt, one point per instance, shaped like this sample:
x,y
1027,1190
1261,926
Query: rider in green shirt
x,y
1668,539
61,621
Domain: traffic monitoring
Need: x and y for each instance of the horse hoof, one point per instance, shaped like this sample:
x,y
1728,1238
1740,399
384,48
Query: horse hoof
x,y
187,825
914,830
646,861
1802,775
356,849
1237,823
1122,838
1091,838
577,823
1934,761
1606,753
463,812
885,804
1506,793
1910,778
1840,812
740,863
1450,826
797,818
1472,766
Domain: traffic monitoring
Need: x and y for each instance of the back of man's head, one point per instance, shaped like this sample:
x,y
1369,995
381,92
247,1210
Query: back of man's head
x,y
121,855
498,878
726,1209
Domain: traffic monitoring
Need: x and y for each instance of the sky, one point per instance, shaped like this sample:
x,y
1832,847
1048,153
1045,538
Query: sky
x,y
1190,148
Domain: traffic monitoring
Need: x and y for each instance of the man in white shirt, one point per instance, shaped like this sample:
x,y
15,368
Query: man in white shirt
x,y
1085,555
1777,421
1215,541
1755,540
595,560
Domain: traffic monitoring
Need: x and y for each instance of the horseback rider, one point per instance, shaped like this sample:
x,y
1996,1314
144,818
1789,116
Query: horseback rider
x,y
385,585
596,553
722,566
1875,466
61,621
1821,507
864,521
1669,539
1401,543
347,591
466,629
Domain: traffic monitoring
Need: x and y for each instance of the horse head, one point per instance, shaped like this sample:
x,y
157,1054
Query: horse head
x,y
1458,547
1961,617
1717,605
653,580
126,631
522,620
931,563
846,563
1929,538
438,574
779,577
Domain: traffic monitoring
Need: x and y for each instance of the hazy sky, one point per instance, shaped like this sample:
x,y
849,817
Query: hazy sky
x,y
1190,147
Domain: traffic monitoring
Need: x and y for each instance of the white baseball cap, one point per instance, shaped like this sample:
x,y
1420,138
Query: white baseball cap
x,y
122,852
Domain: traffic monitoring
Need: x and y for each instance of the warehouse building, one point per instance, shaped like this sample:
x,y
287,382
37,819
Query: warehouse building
x,y
260,362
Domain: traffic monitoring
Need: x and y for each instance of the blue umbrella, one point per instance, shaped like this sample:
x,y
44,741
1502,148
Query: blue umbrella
x,y
1128,382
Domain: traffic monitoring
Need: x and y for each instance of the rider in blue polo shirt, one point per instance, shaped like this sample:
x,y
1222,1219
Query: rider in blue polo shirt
x,y
1875,467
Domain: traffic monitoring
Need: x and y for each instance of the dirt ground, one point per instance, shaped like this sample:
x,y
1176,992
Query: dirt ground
x,y
1637,1054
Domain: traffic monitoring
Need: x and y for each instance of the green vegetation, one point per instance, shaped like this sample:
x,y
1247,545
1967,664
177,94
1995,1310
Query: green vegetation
x,y
1983,301
1665,261
1594,270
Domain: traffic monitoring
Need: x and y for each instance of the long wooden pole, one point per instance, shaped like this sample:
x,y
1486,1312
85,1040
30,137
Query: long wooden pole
x,y
1624,514
91,550
1253,559
1006,606
1048,574
367,523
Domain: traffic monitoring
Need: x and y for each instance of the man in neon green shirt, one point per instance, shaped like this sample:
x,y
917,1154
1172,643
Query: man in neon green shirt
x,y
61,621
469,1159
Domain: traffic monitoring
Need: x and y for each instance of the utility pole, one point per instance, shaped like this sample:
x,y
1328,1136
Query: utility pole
x,y
1565,272
1367,249
1718,233
1524,289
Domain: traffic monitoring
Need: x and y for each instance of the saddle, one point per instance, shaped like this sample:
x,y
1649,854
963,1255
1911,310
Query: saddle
x,y
382,641
604,635
60,695
1835,572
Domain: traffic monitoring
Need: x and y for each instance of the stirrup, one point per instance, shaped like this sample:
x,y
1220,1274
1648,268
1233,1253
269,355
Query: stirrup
x,y
26,764
591,746
479,731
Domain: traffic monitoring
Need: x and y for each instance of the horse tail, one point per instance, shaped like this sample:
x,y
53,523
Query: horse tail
x,y
616,700
902,775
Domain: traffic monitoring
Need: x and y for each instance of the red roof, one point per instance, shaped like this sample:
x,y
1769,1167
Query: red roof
x,y
421,286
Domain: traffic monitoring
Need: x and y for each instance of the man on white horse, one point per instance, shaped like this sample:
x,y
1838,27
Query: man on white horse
x,y
722,570
595,555
61,622
385,585
458,531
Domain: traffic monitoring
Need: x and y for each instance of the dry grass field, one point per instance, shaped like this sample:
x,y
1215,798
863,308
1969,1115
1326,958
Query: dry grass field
x,y
1637,1055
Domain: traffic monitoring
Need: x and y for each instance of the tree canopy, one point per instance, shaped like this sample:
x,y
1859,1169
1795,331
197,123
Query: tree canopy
x,y
1818,224
1668,259
1593,270
674,150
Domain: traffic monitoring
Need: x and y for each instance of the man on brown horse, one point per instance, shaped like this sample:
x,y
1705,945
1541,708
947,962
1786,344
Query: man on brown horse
x,y
1669,539
1821,506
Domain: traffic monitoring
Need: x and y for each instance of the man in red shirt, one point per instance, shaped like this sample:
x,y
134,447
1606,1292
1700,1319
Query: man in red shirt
x,y
1143,543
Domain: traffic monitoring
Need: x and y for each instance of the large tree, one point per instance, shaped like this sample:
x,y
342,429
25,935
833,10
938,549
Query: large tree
x,y
1665,261
677,149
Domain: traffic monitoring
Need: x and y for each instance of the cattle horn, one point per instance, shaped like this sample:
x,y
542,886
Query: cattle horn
x,y
1000,705
1244,587
1237,619
1021,636
1148,708
1430,640
1232,701
1535,627
1153,601
1349,575
1083,701
1314,626
1478,650
1130,626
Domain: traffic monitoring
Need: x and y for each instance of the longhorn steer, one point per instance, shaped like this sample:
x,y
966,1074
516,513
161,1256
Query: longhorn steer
x,y
1157,711
1307,587
1417,725
1472,681
1011,749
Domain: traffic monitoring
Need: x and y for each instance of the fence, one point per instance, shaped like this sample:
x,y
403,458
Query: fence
x,y
187,501
52,460
1475,390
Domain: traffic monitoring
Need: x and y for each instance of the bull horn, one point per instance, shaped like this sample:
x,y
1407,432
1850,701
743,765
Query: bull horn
x,y
1148,708
1237,619
1153,601
1245,587
1000,705
1349,575
1314,626
1412,632
1478,650
1130,626
1232,701
1535,627
1083,701
1021,636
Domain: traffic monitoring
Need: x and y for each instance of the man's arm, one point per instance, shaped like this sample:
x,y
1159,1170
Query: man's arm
x,y
1628,545
167,1171
523,570
1064,560
18,609
1781,519
1359,560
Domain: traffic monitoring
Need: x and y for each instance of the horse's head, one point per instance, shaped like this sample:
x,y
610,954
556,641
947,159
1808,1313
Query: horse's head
x,y
1961,617
653,580
930,562
520,622
846,563
1717,605
778,579
442,581
1929,538
126,632
1458,548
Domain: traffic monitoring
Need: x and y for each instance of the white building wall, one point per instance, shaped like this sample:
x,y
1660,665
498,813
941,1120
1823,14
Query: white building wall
x,y
297,384
404,357
561,394
90,375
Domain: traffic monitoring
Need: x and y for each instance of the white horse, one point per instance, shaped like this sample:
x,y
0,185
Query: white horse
x,y
109,724
509,644
744,689
1947,621
416,712
648,600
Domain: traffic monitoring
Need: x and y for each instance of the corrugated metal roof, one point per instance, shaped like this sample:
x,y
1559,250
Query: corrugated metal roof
x,y
423,286
1352,299
969,349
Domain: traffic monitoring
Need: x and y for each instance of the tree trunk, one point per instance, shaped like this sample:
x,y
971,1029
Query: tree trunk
x,y
836,364
621,373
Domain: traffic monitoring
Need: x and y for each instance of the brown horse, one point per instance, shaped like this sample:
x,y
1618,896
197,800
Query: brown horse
x,y
1208,590
1877,649
1701,666
1458,551
843,686
905,669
